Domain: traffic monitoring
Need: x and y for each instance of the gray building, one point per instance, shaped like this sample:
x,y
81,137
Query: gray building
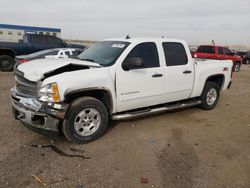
x,y
13,33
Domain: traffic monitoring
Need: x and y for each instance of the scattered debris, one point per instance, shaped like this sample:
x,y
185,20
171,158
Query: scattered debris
x,y
151,141
39,180
196,144
248,125
77,150
178,176
144,180
208,125
133,125
59,151
169,145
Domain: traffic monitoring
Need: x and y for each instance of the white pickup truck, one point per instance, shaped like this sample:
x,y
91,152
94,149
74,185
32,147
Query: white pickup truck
x,y
114,79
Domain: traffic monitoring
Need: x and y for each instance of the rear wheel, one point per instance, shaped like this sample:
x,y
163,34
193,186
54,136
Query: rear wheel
x,y
210,96
86,120
236,67
6,63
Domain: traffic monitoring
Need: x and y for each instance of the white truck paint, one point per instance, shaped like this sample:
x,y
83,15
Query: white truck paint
x,y
136,88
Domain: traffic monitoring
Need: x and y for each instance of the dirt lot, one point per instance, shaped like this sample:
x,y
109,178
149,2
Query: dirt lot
x,y
188,148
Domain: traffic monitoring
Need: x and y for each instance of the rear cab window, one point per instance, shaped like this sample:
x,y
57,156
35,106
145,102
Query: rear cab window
x,y
175,54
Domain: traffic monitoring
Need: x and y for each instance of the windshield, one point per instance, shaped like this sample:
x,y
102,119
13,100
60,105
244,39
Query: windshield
x,y
104,53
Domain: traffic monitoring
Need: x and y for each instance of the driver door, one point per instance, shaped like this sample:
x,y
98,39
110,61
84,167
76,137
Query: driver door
x,y
140,87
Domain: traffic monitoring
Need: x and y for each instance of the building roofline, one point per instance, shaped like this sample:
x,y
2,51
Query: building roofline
x,y
29,28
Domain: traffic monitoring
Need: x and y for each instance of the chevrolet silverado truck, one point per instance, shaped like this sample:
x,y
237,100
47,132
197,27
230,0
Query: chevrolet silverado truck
x,y
218,53
31,43
115,79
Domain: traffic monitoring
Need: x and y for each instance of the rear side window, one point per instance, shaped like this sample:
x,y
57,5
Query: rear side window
x,y
175,54
39,40
206,49
148,52
220,50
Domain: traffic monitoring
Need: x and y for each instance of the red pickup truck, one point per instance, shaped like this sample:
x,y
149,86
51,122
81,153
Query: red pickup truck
x,y
218,52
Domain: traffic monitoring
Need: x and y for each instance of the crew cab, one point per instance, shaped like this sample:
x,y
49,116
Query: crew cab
x,y
31,43
218,53
114,79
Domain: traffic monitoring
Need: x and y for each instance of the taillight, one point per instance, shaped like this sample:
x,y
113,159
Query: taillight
x,y
23,60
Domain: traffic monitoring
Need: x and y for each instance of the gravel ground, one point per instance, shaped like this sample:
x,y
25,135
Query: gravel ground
x,y
187,148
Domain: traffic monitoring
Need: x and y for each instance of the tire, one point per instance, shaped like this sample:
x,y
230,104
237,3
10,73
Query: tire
x,y
85,113
6,63
236,67
210,96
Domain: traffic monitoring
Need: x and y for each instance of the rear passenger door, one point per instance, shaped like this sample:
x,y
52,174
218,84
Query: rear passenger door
x,y
220,53
38,43
140,87
179,72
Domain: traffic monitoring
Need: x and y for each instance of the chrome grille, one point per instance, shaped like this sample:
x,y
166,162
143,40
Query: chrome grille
x,y
26,87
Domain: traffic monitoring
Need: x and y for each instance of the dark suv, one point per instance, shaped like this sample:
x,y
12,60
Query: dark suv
x,y
245,57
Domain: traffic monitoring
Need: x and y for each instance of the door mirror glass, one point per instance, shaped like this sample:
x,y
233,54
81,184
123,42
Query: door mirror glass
x,y
132,63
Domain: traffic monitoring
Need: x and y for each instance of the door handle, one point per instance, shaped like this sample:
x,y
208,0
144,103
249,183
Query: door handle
x,y
157,75
187,72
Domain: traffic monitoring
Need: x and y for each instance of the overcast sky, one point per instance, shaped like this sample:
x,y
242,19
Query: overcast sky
x,y
197,21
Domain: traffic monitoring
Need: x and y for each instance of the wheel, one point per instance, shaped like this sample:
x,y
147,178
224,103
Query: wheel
x,y
85,121
210,96
6,63
237,67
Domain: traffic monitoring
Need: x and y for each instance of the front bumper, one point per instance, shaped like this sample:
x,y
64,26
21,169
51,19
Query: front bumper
x,y
38,116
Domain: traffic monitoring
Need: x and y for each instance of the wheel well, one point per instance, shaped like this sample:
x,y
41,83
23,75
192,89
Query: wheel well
x,y
100,94
7,52
218,79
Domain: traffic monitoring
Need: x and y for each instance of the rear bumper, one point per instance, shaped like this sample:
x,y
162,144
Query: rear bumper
x,y
36,115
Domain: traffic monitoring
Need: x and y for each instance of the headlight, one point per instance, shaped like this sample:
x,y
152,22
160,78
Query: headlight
x,y
49,93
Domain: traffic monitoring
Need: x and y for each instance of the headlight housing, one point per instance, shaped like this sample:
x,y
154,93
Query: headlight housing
x,y
49,93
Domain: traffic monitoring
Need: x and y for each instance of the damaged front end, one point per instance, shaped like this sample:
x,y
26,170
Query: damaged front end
x,y
42,116
39,106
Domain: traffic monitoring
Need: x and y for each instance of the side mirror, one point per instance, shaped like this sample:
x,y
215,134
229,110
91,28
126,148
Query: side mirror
x,y
132,63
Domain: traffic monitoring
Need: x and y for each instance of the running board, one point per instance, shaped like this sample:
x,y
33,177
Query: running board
x,y
140,113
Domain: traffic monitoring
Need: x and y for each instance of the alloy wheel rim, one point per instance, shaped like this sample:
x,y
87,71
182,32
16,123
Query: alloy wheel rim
x,y
87,122
211,96
5,63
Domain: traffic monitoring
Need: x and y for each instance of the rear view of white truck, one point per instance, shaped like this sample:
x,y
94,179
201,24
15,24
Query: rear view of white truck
x,y
115,79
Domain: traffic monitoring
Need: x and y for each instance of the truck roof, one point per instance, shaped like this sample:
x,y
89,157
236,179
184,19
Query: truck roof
x,y
213,46
145,39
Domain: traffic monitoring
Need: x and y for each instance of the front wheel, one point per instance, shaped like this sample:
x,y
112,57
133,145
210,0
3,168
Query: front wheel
x,y
210,96
6,63
85,121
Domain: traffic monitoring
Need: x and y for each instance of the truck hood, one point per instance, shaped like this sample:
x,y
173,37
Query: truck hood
x,y
42,68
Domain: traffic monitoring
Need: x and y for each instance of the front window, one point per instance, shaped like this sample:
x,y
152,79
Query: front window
x,y
104,53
